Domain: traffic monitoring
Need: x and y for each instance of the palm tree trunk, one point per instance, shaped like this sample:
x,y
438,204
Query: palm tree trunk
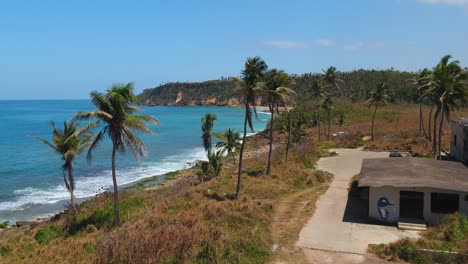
x,y
430,120
422,129
434,137
318,124
318,118
239,173
71,189
289,134
440,132
271,141
329,124
373,120
116,191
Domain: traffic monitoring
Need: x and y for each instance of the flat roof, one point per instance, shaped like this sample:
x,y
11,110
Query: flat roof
x,y
461,121
414,172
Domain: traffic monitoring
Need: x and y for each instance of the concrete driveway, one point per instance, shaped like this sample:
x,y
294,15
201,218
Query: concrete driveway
x,y
334,234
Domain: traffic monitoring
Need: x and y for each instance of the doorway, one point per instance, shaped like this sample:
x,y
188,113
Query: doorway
x,y
411,205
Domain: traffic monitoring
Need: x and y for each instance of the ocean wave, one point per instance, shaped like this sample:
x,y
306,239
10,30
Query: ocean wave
x,y
98,182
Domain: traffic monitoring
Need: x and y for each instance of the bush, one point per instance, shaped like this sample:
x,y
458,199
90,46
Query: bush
x,y
44,235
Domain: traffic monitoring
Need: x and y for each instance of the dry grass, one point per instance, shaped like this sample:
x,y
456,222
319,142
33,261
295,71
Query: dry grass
x,y
187,221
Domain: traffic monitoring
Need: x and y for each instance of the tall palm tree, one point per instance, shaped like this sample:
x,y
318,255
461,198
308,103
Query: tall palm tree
x,y
318,92
331,79
69,143
253,73
207,126
277,94
379,95
449,92
327,106
116,112
422,82
230,142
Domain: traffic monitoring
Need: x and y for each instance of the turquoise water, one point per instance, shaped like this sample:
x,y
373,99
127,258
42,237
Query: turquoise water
x,y
31,181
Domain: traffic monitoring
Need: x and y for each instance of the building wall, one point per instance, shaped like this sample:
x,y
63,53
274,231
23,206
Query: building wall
x,y
457,149
391,213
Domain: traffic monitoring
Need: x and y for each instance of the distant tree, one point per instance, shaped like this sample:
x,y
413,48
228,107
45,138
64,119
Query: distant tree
x,y
331,79
277,94
318,92
253,73
116,111
69,143
379,95
422,82
230,142
207,126
342,118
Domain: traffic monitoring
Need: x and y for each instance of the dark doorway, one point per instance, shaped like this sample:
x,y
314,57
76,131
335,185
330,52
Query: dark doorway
x,y
411,205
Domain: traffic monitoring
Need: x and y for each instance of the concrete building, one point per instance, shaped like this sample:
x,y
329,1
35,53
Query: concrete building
x,y
459,140
414,190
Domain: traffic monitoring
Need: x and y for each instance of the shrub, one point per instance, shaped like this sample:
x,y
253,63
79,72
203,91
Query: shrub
x,y
44,235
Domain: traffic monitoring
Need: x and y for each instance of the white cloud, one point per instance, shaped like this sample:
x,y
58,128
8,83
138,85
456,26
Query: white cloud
x,y
324,42
284,44
353,46
446,2
377,45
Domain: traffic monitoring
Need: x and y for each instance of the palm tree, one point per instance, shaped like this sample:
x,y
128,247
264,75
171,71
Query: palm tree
x,y
207,126
69,143
278,94
116,112
379,95
254,71
448,90
331,78
288,144
230,142
327,106
215,161
318,92
422,82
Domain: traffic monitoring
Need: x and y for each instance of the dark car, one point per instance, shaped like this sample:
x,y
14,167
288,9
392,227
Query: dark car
x,y
395,155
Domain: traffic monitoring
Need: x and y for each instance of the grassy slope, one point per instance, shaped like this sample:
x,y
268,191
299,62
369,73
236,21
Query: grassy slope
x,y
186,221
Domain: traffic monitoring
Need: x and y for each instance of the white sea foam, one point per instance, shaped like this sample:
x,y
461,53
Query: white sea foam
x,y
101,181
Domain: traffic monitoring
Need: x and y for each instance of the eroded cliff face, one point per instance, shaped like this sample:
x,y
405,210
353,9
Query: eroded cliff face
x,y
209,93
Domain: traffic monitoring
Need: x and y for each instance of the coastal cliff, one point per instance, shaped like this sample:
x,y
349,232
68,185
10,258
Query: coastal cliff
x,y
215,92
355,87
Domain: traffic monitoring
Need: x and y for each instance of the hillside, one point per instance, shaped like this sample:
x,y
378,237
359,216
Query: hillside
x,y
356,87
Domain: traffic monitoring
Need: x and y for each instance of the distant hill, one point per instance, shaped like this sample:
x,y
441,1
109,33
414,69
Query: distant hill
x,y
356,87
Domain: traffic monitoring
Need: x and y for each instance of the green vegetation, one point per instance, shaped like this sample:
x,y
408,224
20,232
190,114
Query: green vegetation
x,y
45,235
379,95
4,224
450,236
277,94
229,142
207,126
116,110
253,73
69,142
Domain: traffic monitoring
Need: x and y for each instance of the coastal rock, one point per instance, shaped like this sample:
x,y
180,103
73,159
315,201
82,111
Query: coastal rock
x,y
210,101
27,223
180,96
233,102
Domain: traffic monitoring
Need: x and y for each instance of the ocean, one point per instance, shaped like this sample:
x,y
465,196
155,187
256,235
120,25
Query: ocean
x,y
31,179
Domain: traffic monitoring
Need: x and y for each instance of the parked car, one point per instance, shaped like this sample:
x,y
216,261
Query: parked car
x,y
395,155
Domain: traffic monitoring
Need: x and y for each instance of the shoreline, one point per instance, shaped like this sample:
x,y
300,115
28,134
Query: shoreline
x,y
145,183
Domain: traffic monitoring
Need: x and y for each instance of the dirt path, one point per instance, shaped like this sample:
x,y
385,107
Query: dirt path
x,y
289,216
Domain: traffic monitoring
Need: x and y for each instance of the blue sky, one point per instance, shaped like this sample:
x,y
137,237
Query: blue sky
x,y
65,49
